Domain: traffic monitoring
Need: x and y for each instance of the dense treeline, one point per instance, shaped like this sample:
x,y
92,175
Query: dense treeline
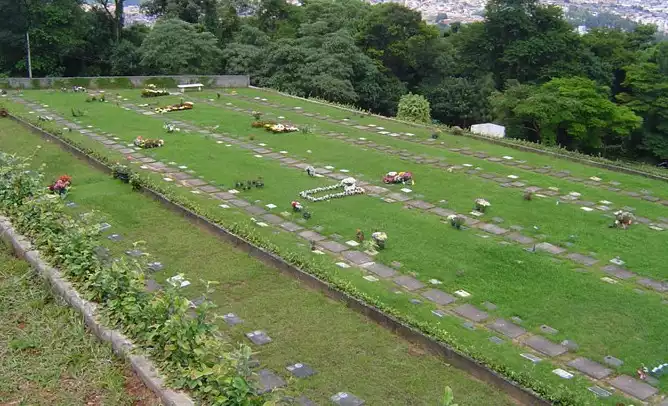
x,y
525,67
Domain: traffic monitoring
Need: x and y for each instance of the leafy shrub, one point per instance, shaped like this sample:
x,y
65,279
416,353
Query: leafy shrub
x,y
414,107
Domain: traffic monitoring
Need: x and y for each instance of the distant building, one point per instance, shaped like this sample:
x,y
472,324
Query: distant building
x,y
489,130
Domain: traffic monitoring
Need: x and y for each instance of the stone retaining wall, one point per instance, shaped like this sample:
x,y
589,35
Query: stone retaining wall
x,y
211,81
121,345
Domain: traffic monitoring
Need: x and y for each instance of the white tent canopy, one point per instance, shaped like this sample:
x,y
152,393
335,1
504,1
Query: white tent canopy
x,y
489,130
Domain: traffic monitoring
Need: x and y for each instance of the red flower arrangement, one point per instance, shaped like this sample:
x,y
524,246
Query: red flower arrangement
x,y
61,185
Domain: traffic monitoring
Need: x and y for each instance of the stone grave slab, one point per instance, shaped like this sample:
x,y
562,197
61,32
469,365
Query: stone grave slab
x,y
256,210
115,237
155,266
552,249
493,229
239,203
522,239
180,176
311,235
194,182
548,330
570,344
400,197
439,297
258,337
346,399
652,284
633,387
300,370
612,361
357,257
545,346
268,381
442,212
134,253
273,219
507,328
589,367
408,282
152,285
496,340
224,196
471,312
618,272
381,270
209,189
333,246
420,204
582,259
291,227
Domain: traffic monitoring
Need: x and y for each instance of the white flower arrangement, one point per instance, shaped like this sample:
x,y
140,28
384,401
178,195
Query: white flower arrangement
x,y
481,204
349,186
45,118
170,128
623,219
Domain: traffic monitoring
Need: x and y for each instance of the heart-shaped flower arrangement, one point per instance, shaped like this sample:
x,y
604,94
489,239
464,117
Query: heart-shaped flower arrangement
x,y
349,186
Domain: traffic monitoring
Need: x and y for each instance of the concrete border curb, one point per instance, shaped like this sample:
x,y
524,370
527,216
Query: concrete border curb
x,y
459,360
120,344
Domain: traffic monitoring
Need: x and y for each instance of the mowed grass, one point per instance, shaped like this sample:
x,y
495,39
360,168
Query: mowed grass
x,y
600,317
46,355
537,160
349,352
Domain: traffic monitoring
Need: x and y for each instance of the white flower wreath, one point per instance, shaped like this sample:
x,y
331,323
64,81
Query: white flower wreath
x,y
349,186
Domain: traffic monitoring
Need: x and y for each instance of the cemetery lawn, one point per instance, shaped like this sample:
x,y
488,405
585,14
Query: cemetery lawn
x,y
348,352
624,319
46,355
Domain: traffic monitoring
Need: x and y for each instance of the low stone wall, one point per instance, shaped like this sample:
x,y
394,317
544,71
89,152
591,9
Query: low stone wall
x,y
128,82
121,345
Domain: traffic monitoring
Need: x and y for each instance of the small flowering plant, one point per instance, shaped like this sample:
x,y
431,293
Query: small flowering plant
x,y
122,172
146,143
61,185
175,107
623,219
481,205
152,90
457,220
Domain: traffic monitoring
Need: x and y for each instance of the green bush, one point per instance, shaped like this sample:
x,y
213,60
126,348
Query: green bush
x,y
415,108
187,349
113,83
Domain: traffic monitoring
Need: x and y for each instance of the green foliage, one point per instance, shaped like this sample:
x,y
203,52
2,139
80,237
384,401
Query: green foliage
x,y
186,348
113,83
175,47
448,398
415,108
161,82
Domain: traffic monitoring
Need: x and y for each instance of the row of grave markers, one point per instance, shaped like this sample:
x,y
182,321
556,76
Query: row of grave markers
x,y
357,257
507,160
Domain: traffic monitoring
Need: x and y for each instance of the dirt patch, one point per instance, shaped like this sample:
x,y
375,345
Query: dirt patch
x,y
140,394
416,350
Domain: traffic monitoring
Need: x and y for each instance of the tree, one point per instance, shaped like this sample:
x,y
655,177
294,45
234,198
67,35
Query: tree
x,y
414,107
646,84
116,16
573,112
175,47
460,101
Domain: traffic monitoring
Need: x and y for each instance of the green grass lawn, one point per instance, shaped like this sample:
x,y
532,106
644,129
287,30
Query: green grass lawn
x,y
603,319
305,326
46,355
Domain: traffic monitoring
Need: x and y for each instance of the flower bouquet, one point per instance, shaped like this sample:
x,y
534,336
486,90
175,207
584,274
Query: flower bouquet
x,y
481,205
146,143
170,128
78,89
379,238
296,206
175,107
45,118
262,124
152,90
398,177
281,128
61,185
96,97
623,219
457,220
256,114
3,112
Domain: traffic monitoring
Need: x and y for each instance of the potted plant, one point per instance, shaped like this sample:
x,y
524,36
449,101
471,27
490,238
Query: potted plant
x,y
457,220
121,172
379,238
